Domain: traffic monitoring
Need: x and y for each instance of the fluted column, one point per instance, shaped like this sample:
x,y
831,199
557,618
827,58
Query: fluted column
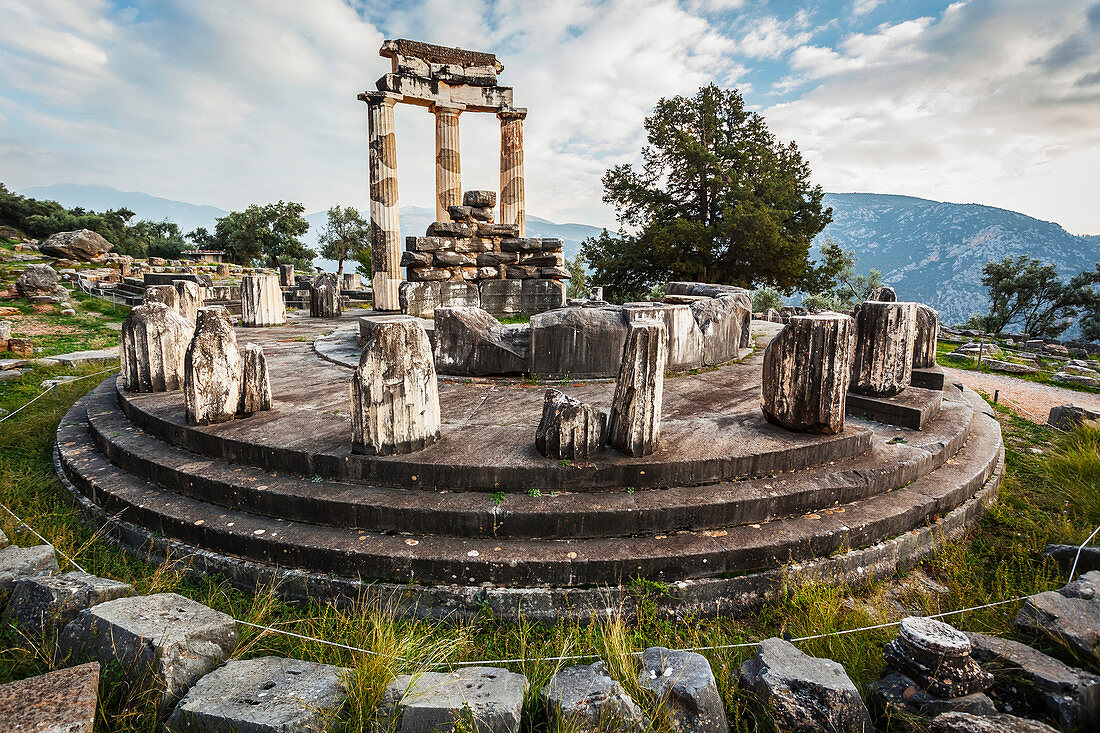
x,y
448,164
385,221
513,202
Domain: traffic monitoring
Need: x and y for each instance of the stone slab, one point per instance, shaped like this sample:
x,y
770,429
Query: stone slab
x,y
998,723
911,409
931,378
166,637
488,699
62,701
263,695
97,356
683,683
17,563
57,599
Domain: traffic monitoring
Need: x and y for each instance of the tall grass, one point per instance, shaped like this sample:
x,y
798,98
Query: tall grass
x,y
1073,473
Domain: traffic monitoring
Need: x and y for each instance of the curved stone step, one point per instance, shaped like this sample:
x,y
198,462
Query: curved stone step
x,y
511,562
564,515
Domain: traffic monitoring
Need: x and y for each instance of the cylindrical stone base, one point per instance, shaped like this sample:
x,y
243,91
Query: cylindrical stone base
x,y
287,278
324,297
928,331
154,342
806,371
883,361
262,301
394,394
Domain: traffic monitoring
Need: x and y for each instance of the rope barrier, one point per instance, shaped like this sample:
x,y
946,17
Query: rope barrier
x,y
51,388
44,540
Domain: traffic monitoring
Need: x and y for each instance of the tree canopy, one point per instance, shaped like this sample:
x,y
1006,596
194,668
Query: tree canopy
x,y
717,198
1031,294
269,234
345,236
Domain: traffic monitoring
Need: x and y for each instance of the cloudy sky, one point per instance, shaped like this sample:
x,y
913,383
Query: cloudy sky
x,y
235,102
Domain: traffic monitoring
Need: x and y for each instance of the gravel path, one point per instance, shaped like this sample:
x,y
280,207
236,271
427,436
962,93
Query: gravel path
x,y
1030,399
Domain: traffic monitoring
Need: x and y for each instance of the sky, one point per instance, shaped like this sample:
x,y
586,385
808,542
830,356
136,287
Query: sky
x,y
231,103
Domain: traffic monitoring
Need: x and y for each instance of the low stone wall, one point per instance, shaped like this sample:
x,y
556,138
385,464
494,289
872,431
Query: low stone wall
x,y
498,297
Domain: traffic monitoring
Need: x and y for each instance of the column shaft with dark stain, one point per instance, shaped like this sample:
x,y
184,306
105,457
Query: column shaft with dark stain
x,y
385,220
448,163
513,203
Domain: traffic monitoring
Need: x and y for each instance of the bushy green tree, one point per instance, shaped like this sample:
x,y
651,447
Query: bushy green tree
x,y
841,288
578,278
765,298
1030,294
346,233
717,199
269,234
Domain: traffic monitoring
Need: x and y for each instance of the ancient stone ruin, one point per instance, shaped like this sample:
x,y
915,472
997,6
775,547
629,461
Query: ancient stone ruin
x,y
635,424
569,428
152,348
324,296
885,335
262,301
212,369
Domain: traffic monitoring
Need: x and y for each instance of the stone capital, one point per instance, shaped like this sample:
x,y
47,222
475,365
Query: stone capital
x,y
511,113
446,108
387,98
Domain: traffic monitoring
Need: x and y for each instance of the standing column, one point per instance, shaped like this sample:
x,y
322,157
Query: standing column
x,y
448,167
385,221
513,201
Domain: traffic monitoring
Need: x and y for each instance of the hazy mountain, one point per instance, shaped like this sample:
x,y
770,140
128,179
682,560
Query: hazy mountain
x,y
934,252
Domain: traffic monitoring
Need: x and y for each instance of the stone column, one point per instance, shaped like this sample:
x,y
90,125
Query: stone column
x,y
569,428
883,362
513,201
287,277
255,382
394,395
166,294
635,424
212,369
928,329
806,371
448,166
190,298
324,296
385,221
261,301
154,341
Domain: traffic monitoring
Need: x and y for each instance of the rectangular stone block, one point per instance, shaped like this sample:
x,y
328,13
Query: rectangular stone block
x,y
502,297
459,294
428,244
419,298
511,244
542,295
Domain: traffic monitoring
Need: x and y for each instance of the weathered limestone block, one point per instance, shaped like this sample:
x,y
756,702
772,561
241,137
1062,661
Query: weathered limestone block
x,y
806,371
798,692
189,298
255,382
577,342
924,343
324,297
540,294
635,424
154,342
1070,696
720,320
885,294
21,347
996,723
37,280
395,398
222,270
83,245
469,341
1070,616
435,701
55,600
419,298
19,563
1068,417
937,657
262,301
479,199
569,428
684,684
287,278
165,637
264,695
883,361
166,294
62,701
212,369
459,294
352,281
585,698
686,348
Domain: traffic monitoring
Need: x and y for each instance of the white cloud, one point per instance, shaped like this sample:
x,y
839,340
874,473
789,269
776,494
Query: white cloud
x,y
770,37
862,7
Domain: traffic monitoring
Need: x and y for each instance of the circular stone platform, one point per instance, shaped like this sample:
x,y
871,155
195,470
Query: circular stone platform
x,y
480,518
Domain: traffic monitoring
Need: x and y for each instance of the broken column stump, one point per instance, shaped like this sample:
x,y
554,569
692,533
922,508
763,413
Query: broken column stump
x,y
806,371
635,424
287,277
212,369
924,343
883,361
166,294
255,382
569,428
394,395
188,298
684,686
585,699
154,342
937,657
261,301
324,297
884,294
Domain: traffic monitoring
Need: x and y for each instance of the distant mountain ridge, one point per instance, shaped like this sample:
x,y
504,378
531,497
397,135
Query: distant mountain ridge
x,y
928,250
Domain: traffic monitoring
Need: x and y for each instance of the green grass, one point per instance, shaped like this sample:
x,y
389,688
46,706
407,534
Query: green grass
x,y
1000,560
943,349
87,329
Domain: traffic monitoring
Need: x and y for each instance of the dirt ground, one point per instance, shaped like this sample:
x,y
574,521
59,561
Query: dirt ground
x,y
1030,399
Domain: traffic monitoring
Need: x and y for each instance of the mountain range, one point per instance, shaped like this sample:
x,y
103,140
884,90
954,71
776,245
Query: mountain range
x,y
928,251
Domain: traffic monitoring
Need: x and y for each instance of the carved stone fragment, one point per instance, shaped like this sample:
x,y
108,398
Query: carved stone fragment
x,y
212,369
255,383
569,428
924,343
261,301
324,298
189,298
395,398
154,341
166,294
635,424
806,371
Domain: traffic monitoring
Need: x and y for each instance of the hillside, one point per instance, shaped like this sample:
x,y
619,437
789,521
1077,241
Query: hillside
x,y
934,252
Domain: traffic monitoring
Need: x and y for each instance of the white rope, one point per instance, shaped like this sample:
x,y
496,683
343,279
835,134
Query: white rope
x,y
52,387
1077,557
1041,420
44,540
